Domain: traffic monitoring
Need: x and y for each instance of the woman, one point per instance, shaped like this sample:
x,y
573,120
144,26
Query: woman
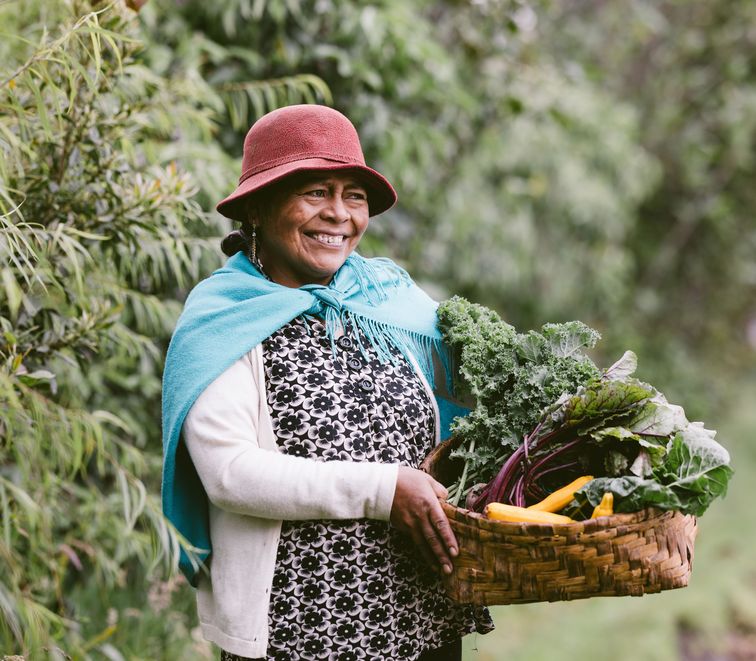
x,y
297,405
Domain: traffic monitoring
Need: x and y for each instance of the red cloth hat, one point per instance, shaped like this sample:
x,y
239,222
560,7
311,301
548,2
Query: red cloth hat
x,y
303,138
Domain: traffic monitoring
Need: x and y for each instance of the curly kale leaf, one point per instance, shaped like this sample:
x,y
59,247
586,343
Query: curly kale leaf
x,y
569,339
513,376
479,337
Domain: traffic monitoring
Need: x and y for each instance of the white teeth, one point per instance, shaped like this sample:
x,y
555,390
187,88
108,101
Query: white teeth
x,y
329,239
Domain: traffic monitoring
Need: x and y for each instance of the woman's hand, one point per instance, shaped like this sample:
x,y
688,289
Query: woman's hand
x,y
416,510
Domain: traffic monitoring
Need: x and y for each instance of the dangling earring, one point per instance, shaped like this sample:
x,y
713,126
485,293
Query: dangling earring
x,y
253,249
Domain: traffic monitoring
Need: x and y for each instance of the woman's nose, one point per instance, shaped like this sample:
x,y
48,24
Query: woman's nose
x,y
336,210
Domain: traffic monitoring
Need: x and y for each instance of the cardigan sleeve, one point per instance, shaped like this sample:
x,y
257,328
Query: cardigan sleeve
x,y
221,434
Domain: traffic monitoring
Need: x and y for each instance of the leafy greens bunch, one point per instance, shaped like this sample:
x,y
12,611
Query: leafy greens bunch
x,y
548,414
510,376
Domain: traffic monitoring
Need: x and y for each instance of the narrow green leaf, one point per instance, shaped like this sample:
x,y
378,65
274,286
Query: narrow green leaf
x,y
14,295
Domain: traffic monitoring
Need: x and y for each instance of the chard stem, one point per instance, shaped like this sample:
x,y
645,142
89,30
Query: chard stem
x,y
553,455
499,484
537,475
535,492
517,498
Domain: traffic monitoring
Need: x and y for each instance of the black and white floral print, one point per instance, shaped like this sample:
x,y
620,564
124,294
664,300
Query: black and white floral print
x,y
353,589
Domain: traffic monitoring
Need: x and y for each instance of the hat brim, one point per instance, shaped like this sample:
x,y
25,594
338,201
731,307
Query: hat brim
x,y
381,194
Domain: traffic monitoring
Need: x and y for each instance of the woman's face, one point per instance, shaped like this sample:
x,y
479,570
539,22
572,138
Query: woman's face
x,y
311,227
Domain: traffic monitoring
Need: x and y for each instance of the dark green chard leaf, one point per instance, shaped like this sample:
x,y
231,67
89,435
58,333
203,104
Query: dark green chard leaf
x,y
631,493
597,404
649,450
696,467
659,418
694,472
601,399
614,433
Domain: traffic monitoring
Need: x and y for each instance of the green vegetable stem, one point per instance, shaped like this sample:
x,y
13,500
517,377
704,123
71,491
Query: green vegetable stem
x,y
460,486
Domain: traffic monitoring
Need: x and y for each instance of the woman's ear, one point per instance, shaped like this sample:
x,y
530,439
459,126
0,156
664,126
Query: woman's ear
x,y
256,212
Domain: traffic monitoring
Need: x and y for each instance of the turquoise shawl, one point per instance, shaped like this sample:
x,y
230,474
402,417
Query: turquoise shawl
x,y
234,310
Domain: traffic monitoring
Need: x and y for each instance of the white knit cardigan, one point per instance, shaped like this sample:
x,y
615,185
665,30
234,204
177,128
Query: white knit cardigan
x,y
252,488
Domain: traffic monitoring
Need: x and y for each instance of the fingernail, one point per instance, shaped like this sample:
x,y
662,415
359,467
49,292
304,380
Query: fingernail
x,y
447,569
453,550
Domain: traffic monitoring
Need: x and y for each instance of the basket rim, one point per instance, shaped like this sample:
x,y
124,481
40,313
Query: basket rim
x,y
574,527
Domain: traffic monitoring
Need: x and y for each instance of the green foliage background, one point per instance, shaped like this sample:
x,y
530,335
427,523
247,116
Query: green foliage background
x,y
554,160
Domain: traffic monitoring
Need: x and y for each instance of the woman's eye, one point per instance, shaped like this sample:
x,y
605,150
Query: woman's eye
x,y
317,192
358,196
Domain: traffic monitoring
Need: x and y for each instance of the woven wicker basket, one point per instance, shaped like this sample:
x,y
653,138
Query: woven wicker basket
x,y
518,563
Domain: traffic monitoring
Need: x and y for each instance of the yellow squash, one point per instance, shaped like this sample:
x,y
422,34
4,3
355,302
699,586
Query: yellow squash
x,y
561,497
605,507
502,512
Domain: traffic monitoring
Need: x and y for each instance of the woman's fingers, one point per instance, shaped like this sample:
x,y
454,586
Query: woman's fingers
x,y
416,510
439,489
439,519
440,554
422,545
443,529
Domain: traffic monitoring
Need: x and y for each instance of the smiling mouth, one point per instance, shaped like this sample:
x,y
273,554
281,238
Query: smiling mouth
x,y
328,239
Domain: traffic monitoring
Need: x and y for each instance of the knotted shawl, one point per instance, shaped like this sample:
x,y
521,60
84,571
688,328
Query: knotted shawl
x,y
235,309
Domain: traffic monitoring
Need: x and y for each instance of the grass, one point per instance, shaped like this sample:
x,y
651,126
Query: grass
x,y
721,597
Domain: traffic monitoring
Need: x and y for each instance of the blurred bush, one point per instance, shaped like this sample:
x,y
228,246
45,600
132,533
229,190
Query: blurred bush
x,y
553,160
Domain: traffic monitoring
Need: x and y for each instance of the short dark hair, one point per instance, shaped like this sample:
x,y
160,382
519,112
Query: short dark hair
x,y
240,239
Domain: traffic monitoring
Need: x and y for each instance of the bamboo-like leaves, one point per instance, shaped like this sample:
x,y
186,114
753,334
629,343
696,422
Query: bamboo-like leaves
x,y
250,100
96,241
